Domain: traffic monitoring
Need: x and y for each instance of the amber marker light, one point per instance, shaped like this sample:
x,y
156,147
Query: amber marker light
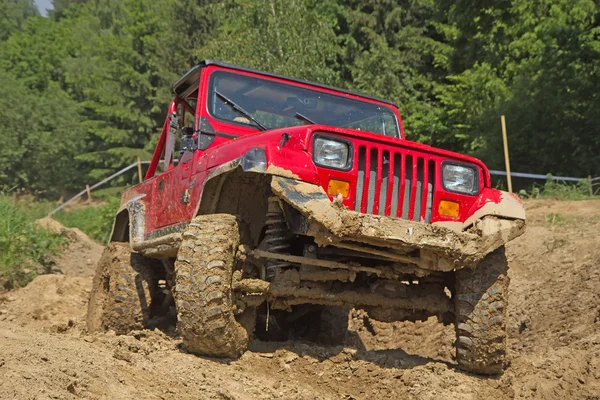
x,y
335,187
448,208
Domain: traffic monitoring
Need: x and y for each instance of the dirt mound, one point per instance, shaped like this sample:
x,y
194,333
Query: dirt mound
x,y
49,302
81,253
554,323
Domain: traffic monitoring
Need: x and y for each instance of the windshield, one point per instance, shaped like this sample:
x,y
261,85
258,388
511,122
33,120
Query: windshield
x,y
258,102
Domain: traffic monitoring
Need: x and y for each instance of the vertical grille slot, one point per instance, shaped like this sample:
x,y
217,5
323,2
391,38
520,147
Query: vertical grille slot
x,y
397,160
373,163
418,190
360,179
395,184
383,190
408,179
430,191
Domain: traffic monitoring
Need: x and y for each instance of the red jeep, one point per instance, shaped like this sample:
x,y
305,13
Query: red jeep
x,y
273,205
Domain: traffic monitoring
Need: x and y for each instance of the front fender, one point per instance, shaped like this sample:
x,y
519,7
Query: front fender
x,y
267,160
130,218
496,203
490,203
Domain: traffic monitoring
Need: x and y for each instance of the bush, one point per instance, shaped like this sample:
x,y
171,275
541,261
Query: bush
x,y
95,220
559,190
24,247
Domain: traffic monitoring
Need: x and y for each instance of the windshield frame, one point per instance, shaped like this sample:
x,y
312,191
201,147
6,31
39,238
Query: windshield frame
x,y
354,98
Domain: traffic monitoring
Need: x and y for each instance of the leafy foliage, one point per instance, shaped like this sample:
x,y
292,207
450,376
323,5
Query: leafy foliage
x,y
95,221
84,92
537,62
13,14
584,189
24,247
282,36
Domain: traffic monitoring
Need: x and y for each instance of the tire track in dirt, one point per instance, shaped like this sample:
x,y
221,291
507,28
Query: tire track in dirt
x,y
554,338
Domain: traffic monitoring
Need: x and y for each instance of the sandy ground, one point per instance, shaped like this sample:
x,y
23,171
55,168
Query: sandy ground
x,y
45,352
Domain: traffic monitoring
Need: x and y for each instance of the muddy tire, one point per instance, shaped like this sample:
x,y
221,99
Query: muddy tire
x,y
480,307
203,293
121,291
333,325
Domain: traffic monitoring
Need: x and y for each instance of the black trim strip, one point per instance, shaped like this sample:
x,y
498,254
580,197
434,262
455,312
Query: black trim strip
x,y
221,134
167,231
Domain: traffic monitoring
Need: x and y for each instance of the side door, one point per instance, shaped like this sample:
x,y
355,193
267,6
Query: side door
x,y
181,191
173,188
166,181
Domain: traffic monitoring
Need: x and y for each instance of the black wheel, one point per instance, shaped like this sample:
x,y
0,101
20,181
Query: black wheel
x,y
480,307
122,291
206,315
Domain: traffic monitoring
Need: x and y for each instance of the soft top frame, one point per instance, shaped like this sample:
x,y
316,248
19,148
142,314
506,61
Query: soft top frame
x,y
192,77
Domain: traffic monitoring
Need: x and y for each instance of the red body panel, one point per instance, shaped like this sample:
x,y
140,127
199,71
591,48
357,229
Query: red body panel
x,y
171,197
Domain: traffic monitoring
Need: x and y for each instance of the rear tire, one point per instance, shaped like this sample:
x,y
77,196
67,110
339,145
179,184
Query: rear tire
x,y
122,291
480,307
203,293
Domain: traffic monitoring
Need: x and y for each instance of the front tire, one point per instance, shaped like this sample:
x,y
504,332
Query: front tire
x,y
203,293
480,305
122,291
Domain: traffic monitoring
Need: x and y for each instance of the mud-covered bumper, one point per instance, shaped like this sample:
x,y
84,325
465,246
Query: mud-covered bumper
x,y
429,247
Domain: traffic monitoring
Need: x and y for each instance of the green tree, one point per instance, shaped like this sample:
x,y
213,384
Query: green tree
x,y
540,69
60,8
41,134
13,14
85,91
282,36
396,50
116,77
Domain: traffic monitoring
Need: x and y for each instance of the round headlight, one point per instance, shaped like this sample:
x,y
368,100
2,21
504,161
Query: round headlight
x,y
331,153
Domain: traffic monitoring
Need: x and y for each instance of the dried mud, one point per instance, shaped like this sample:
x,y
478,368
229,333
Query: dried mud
x,y
554,339
445,249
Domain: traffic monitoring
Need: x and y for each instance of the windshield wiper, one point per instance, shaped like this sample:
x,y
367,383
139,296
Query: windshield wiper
x,y
305,118
239,109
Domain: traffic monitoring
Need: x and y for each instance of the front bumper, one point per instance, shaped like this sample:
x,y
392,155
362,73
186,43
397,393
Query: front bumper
x,y
427,246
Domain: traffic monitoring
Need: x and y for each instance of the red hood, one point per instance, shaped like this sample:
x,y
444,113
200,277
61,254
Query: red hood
x,y
300,140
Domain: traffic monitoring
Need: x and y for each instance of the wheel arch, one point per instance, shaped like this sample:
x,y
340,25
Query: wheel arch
x,y
237,192
120,229
129,222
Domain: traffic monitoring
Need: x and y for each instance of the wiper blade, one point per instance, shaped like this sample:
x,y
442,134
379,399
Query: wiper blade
x,y
239,109
305,118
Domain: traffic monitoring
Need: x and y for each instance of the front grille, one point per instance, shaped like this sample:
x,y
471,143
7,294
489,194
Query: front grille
x,y
395,184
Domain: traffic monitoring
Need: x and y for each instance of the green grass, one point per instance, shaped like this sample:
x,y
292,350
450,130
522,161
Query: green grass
x,y
562,190
25,248
554,218
96,220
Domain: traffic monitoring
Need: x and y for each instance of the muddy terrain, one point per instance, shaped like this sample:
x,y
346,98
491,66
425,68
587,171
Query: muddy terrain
x,y
554,326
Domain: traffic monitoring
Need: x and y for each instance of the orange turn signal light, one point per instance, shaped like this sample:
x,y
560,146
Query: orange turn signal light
x,y
448,208
336,187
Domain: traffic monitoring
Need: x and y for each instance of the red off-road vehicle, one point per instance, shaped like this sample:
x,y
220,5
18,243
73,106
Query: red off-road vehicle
x,y
273,205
